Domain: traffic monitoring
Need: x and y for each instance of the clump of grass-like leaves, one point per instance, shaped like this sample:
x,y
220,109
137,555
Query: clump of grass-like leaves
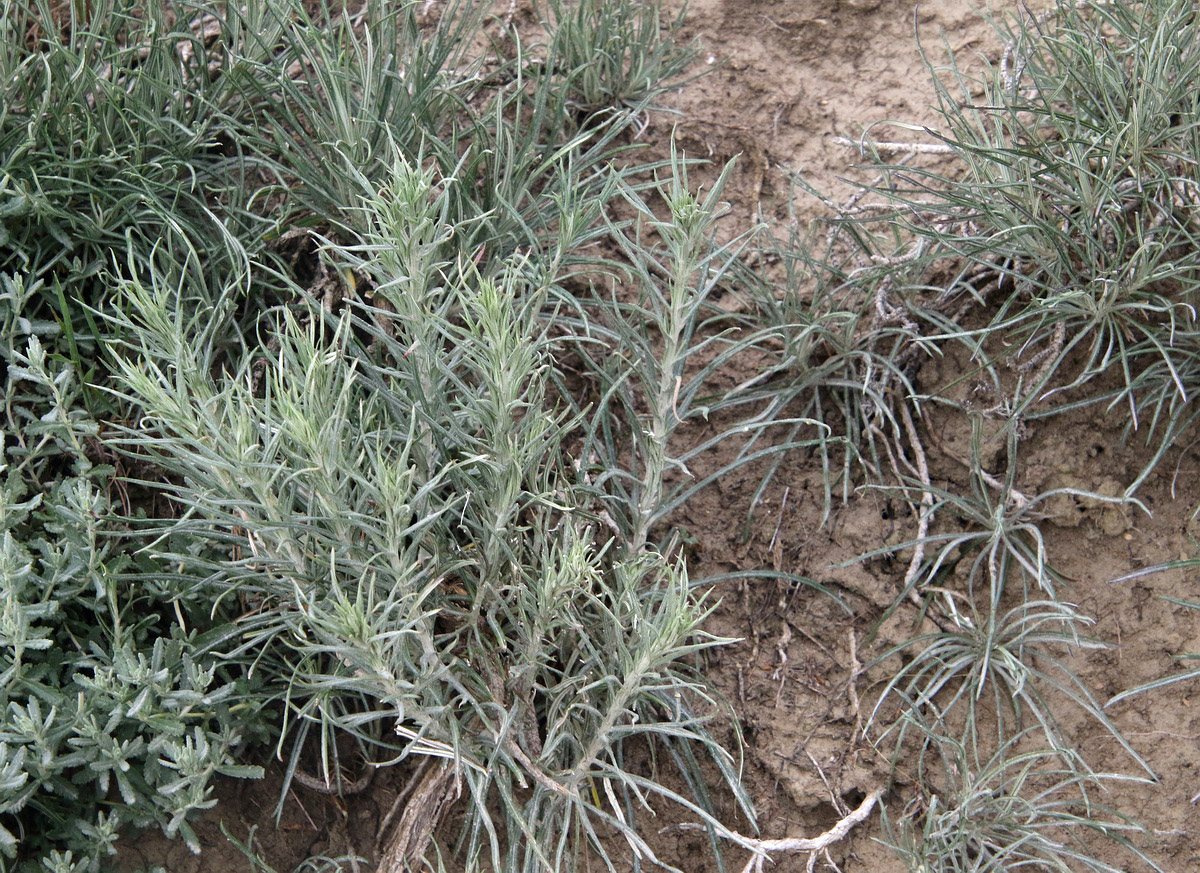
x,y
1017,809
1004,666
1070,218
504,125
837,353
996,665
1065,237
997,542
617,54
115,143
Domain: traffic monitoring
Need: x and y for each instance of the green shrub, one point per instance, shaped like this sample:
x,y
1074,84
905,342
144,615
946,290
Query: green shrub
x,y
429,572
115,140
111,715
379,518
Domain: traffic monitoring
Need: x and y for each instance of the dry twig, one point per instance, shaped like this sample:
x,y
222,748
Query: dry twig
x,y
921,148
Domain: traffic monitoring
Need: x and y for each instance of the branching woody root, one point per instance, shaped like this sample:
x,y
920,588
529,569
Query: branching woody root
x,y
763,849
428,800
815,845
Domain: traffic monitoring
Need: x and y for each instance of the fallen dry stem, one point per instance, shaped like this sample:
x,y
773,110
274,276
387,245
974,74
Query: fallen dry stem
x,y
926,511
919,148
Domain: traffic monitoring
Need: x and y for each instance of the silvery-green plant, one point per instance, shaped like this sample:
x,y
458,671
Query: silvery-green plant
x,y
419,566
1070,219
614,54
995,543
103,691
332,94
987,665
837,352
1002,627
114,124
343,95
153,177
1015,810
654,358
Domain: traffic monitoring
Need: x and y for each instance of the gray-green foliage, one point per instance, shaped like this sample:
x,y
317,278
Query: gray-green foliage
x,y
614,54
645,355
420,508
1070,218
430,574
503,124
383,498
109,717
1060,252
114,123
1015,810
113,156
1066,238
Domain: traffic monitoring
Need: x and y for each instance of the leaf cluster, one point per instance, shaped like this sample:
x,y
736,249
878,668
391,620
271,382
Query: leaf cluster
x,y
110,716
1059,255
